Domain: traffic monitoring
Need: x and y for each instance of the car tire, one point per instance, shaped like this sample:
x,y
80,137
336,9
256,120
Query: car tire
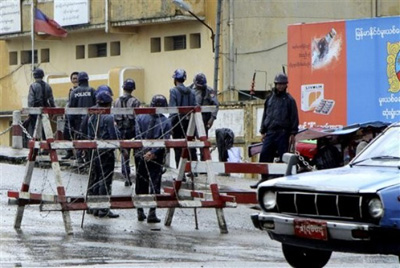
x,y
299,257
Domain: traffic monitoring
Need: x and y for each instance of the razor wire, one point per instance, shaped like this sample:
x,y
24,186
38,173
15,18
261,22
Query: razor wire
x,y
6,130
99,152
25,130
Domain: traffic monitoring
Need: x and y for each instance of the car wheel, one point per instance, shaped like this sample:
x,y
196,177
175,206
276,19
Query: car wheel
x,y
299,257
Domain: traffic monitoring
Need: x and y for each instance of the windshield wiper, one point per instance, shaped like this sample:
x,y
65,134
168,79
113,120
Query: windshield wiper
x,y
382,157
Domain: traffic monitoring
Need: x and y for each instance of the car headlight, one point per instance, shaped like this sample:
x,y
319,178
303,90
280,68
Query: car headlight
x,y
269,200
375,208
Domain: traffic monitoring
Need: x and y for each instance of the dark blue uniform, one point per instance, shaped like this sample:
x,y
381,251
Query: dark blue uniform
x,y
83,96
149,173
181,95
279,121
102,127
126,126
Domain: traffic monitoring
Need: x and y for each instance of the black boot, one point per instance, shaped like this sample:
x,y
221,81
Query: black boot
x,y
128,182
152,216
107,213
140,214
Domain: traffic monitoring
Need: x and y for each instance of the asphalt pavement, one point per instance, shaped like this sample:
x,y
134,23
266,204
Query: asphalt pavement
x,y
125,242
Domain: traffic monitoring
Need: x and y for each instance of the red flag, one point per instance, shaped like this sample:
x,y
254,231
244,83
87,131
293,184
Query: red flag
x,y
47,25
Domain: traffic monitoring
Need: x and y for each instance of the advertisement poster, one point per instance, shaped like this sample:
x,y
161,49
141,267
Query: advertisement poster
x,y
345,72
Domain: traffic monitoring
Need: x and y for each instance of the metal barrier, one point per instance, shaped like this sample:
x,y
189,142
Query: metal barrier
x,y
173,197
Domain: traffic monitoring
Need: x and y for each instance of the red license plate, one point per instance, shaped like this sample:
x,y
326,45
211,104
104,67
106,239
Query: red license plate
x,y
310,229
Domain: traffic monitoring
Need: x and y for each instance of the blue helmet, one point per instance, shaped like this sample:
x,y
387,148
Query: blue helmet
x,y
104,97
83,76
179,74
104,88
200,80
38,73
129,84
281,79
159,101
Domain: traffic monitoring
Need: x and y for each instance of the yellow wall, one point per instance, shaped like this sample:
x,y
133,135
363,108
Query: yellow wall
x,y
258,26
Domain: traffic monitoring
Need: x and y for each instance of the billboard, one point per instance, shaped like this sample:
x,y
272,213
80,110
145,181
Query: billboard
x,y
72,12
345,72
10,16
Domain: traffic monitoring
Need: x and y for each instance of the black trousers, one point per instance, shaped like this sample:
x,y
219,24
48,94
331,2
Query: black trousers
x,y
179,132
104,171
148,176
274,144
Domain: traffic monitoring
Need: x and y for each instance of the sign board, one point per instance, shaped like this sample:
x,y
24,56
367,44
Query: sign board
x,y
10,16
345,72
71,12
232,119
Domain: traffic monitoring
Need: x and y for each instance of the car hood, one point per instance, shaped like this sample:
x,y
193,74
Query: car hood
x,y
344,179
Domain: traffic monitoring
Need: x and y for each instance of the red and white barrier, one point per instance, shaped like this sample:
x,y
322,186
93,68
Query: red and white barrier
x,y
60,128
16,131
98,110
174,197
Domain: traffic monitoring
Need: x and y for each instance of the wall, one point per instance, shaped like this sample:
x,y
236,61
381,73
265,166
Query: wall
x,y
260,32
259,42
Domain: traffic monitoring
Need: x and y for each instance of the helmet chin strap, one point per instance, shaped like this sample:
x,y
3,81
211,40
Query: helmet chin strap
x,y
277,92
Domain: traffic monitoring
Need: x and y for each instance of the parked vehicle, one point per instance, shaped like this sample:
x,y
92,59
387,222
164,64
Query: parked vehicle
x,y
355,208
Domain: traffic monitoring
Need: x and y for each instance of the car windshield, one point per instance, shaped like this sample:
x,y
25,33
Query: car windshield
x,y
384,151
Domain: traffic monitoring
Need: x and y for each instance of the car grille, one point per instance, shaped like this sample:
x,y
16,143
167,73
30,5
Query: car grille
x,y
320,204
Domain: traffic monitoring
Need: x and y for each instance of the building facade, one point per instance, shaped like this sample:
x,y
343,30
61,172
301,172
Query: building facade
x,y
148,39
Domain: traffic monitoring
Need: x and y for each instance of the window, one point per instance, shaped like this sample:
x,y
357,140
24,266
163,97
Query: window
x,y
26,57
97,50
177,42
13,58
45,55
155,44
115,48
195,41
80,52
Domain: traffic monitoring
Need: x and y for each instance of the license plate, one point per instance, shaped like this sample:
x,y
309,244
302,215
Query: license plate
x,y
310,229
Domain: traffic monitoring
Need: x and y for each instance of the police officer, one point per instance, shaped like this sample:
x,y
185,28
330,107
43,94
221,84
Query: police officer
x,y
102,127
40,95
150,160
180,95
82,96
90,153
279,124
205,96
67,133
126,125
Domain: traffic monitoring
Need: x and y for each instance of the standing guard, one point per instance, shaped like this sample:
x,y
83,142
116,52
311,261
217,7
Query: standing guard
x,y
150,161
126,125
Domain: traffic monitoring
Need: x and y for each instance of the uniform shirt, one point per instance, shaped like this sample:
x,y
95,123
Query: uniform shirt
x,y
153,126
131,102
40,95
181,96
280,113
206,97
83,96
104,130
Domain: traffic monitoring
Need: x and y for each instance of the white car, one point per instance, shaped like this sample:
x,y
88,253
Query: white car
x,y
355,208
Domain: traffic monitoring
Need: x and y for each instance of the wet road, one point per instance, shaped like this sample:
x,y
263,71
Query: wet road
x,y
124,242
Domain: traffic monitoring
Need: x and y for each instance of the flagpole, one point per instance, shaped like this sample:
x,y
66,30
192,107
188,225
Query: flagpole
x,y
33,33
